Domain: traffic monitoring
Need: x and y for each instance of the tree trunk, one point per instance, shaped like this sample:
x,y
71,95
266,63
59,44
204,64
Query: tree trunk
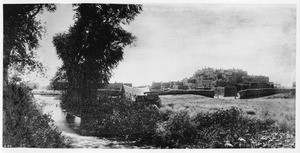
x,y
84,106
88,114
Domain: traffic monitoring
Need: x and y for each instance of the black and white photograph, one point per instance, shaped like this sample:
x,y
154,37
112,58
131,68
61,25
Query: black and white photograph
x,y
149,75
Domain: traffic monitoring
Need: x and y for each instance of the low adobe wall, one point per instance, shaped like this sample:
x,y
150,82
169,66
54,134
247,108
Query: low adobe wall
x,y
207,93
285,91
46,92
256,93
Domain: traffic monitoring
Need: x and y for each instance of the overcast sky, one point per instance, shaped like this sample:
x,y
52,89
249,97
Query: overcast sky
x,y
175,40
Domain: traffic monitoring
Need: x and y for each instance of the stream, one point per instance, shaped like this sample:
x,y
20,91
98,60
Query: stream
x,y
51,105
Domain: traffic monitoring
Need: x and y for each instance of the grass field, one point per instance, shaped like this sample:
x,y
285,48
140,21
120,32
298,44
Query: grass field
x,y
280,109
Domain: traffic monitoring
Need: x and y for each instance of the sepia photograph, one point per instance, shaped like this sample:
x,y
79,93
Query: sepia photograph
x,y
149,75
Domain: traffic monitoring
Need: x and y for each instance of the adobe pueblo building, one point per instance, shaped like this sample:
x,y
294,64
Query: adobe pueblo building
x,y
224,82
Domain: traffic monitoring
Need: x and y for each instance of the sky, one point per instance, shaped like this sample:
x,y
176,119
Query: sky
x,y
175,40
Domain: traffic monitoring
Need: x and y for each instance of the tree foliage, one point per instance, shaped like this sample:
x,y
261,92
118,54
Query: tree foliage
x,y
58,82
24,124
21,34
94,45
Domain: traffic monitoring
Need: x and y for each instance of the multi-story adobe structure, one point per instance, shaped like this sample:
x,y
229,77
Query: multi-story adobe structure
x,y
232,80
208,78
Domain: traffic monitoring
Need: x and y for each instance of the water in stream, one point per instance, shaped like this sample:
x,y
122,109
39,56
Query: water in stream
x,y
51,105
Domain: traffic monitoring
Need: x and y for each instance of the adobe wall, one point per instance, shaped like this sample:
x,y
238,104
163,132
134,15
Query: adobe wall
x,y
207,93
256,93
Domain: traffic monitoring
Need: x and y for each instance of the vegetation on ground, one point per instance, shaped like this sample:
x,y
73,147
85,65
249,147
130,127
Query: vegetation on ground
x,y
223,128
174,126
280,109
282,95
24,125
121,117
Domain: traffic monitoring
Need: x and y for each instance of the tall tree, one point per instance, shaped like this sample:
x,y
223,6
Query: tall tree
x,y
21,34
94,46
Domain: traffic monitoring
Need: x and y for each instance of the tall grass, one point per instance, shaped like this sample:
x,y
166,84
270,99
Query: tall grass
x,y
23,124
228,128
280,109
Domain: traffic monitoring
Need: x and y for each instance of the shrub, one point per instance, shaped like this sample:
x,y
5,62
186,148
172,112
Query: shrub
x,y
221,129
122,117
24,125
176,131
166,112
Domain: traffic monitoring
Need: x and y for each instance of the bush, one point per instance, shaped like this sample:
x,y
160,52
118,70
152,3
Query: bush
x,y
166,112
122,117
24,125
221,129
176,131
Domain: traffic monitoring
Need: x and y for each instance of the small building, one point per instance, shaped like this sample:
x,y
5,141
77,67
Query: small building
x,y
191,80
221,83
207,83
231,79
166,85
112,90
123,90
227,72
156,86
230,91
219,91
133,92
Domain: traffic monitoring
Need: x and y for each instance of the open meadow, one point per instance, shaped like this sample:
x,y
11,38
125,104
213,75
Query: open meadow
x,y
280,109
